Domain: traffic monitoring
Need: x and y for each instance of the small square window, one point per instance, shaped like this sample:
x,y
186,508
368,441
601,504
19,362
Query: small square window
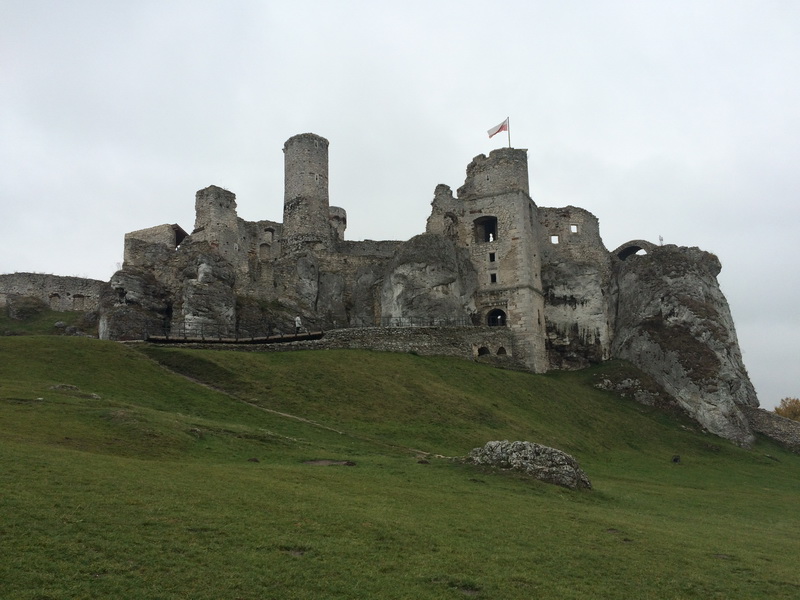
x,y
553,239
493,277
573,228
492,257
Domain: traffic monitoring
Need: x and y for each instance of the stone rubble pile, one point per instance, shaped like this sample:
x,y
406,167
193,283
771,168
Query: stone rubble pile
x,y
546,464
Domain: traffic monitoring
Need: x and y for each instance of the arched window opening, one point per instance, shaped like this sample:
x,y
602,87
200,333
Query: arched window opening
x,y
496,318
501,351
485,229
483,351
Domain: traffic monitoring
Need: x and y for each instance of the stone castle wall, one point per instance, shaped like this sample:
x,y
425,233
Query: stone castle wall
x,y
483,344
59,293
785,431
576,272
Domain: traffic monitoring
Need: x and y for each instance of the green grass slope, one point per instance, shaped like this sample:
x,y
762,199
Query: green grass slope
x,y
38,319
148,472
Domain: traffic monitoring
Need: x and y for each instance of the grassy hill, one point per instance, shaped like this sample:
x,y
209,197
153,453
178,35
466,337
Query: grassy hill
x,y
147,472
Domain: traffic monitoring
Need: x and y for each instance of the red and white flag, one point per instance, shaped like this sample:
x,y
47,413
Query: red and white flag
x,y
502,127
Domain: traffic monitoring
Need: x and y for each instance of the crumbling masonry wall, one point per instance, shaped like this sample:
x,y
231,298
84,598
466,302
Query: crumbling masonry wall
x,y
576,274
59,293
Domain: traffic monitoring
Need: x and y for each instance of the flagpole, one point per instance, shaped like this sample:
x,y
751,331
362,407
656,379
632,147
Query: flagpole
x,y
508,130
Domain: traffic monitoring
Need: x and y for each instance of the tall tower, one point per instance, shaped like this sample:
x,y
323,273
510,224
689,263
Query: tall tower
x,y
500,226
306,208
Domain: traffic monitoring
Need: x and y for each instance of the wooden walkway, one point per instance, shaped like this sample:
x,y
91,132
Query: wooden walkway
x,y
280,338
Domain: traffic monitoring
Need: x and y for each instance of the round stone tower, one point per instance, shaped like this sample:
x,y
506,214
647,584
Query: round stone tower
x,y
306,210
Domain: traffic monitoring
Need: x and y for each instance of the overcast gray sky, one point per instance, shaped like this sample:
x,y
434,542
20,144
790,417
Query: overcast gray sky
x,y
678,119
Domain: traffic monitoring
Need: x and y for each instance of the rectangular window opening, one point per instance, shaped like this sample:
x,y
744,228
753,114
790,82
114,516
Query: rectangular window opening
x,y
553,239
573,228
493,277
491,256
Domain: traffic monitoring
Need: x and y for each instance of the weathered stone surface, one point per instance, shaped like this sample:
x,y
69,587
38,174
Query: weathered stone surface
x,y
462,342
207,300
429,278
542,462
634,388
674,323
57,292
785,431
576,273
577,314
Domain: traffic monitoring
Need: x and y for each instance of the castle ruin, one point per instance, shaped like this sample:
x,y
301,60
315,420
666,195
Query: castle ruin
x,y
526,285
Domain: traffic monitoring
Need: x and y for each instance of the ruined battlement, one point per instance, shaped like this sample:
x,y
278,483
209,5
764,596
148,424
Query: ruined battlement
x,y
504,170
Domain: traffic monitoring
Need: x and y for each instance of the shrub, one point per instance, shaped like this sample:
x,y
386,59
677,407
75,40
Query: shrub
x,y
789,408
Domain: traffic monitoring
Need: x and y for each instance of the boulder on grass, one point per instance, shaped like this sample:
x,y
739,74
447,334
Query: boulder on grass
x,y
543,463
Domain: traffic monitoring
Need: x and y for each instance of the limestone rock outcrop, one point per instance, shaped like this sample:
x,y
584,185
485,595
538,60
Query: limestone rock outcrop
x,y
673,322
194,287
542,462
428,280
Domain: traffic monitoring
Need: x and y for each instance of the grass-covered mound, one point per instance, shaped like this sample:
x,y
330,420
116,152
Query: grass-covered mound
x,y
127,472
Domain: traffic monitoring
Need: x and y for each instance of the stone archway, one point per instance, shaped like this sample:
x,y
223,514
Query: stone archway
x,y
630,248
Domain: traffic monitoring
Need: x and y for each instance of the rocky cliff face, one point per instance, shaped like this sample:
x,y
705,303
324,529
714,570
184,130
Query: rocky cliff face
x,y
429,278
192,287
576,310
674,323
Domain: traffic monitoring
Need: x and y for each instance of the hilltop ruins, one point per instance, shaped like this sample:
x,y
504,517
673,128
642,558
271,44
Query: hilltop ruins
x,y
493,277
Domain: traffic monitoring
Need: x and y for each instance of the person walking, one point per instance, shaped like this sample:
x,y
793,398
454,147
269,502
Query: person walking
x,y
297,325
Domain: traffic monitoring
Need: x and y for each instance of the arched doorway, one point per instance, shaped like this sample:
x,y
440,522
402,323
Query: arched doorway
x,y
496,318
